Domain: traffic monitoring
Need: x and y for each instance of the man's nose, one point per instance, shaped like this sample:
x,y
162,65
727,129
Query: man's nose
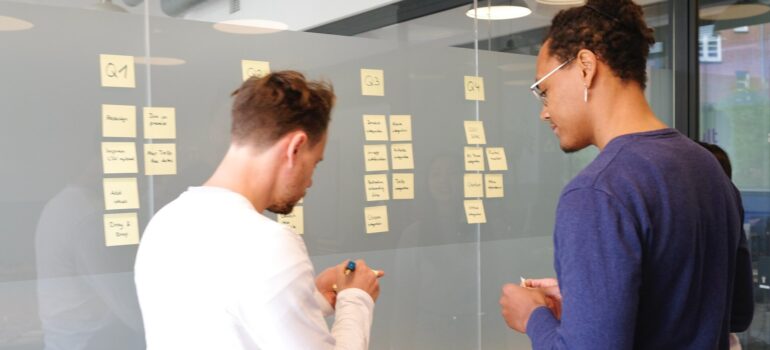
x,y
544,115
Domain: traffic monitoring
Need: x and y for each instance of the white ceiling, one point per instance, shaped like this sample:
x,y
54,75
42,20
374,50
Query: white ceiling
x,y
453,27
445,28
298,15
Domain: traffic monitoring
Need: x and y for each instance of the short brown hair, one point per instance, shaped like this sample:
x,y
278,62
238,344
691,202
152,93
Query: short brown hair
x,y
614,30
267,108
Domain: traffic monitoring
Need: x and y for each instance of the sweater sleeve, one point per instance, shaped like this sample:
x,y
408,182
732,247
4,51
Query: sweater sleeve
x,y
743,288
598,257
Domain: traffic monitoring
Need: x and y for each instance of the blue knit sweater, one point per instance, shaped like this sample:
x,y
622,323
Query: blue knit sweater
x,y
649,251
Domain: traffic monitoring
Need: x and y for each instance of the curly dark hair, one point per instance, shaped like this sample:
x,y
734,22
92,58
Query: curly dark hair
x,y
614,30
266,108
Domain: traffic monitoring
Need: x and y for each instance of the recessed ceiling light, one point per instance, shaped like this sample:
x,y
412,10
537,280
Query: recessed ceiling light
x,y
561,2
107,5
250,26
743,9
11,24
499,11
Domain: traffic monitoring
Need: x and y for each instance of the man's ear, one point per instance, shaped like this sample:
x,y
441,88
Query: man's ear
x,y
587,61
296,140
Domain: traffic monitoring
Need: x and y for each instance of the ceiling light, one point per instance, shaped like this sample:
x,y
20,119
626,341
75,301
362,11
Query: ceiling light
x,y
739,10
159,61
250,26
107,5
11,24
561,2
499,10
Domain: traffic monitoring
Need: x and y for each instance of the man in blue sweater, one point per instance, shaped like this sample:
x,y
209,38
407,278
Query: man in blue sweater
x,y
649,251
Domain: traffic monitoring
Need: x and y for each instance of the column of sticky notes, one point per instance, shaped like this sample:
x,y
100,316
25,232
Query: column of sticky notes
x,y
119,153
121,193
476,183
385,135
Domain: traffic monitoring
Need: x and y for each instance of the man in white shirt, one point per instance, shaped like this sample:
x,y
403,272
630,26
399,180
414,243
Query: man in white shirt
x,y
213,273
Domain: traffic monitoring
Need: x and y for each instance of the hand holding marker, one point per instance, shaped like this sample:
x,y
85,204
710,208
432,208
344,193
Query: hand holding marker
x,y
351,267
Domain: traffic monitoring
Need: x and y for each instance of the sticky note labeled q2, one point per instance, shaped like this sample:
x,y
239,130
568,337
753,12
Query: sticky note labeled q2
x,y
254,69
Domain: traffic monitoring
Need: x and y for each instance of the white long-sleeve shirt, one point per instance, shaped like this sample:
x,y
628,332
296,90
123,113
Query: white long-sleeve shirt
x,y
213,273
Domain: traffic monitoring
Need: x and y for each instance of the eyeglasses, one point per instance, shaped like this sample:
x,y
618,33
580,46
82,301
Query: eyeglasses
x,y
540,94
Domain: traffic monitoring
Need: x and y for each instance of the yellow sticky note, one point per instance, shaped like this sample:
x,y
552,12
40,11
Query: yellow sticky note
x,y
376,219
119,157
403,157
474,185
474,132
375,128
254,69
376,187
496,159
117,71
474,158
474,88
401,128
376,157
118,121
301,200
121,229
159,123
403,186
121,193
474,211
160,159
372,82
295,220
493,184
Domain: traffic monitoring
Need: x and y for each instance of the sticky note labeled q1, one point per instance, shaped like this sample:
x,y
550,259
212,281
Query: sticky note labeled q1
x,y
117,71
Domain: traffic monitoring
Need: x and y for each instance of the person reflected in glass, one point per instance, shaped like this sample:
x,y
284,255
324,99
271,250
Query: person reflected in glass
x,y
85,289
435,266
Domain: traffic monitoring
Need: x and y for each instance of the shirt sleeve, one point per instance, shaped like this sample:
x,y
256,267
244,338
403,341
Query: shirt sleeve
x,y
326,308
598,263
284,312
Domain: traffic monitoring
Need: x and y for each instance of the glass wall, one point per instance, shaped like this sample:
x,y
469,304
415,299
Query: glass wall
x,y
734,55
73,74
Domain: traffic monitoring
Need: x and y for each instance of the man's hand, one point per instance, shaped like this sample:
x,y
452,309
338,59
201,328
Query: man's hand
x,y
363,278
324,282
549,287
517,304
